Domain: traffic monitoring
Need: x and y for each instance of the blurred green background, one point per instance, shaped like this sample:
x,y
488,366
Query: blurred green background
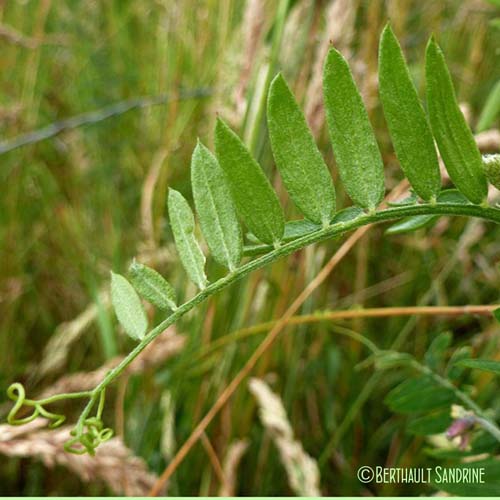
x,y
92,196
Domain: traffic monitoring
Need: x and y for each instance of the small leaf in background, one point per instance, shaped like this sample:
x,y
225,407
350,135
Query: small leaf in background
x,y
486,365
296,228
491,167
418,394
412,199
302,168
453,371
491,110
215,208
182,222
496,314
490,485
415,222
435,355
347,214
411,224
453,136
128,307
405,116
453,196
255,199
152,286
433,423
354,144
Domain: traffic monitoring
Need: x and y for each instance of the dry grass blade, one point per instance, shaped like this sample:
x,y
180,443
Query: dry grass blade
x,y
302,470
339,31
230,466
114,463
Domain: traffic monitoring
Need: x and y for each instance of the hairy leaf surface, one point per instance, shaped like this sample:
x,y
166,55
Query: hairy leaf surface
x,y
453,136
128,307
298,159
182,222
405,116
215,208
354,144
255,199
152,286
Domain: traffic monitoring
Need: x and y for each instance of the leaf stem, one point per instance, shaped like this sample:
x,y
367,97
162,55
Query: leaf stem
x,y
491,214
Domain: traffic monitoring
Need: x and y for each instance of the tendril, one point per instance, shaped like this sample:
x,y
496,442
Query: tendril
x,y
90,433
87,435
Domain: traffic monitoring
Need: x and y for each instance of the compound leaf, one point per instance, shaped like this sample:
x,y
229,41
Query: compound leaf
x,y
354,144
298,159
215,208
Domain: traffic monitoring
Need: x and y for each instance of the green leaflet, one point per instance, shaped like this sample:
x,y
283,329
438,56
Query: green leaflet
x,y
434,423
453,136
298,159
408,126
489,487
255,200
481,364
354,144
419,394
182,222
491,109
152,286
411,224
215,208
128,307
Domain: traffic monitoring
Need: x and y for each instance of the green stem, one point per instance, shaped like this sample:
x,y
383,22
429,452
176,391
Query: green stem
x,y
323,234
60,397
287,248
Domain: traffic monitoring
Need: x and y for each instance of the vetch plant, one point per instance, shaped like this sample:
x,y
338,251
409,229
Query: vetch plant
x,y
230,186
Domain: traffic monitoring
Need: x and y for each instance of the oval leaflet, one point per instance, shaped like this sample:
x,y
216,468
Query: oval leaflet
x,y
128,307
152,286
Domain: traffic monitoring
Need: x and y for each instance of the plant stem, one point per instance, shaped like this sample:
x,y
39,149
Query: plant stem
x,y
323,234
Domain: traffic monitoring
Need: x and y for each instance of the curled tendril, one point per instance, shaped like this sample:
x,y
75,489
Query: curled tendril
x,y
87,435
87,441
16,393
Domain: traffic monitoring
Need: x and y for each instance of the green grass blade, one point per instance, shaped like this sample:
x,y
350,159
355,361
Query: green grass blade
x,y
128,307
354,144
215,208
255,199
405,116
491,109
182,222
152,286
298,159
453,136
